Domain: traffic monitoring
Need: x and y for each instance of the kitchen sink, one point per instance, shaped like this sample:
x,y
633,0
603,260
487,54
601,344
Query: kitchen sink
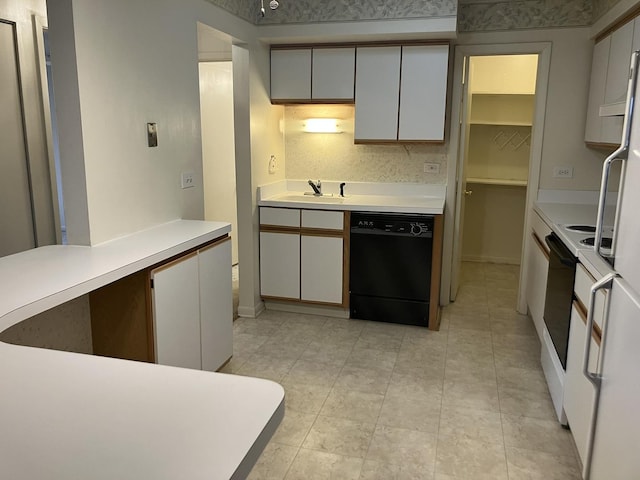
x,y
300,197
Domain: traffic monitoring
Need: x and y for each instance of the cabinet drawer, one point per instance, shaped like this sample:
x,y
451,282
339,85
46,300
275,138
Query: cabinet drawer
x,y
582,287
283,217
323,219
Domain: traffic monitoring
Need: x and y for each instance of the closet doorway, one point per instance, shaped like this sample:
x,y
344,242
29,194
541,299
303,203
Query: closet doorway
x,y
495,147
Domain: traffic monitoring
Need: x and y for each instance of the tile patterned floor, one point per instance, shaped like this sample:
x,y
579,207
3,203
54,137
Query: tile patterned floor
x,y
367,400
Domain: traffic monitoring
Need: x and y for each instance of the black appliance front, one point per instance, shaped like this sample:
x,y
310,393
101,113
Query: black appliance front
x,y
390,267
559,295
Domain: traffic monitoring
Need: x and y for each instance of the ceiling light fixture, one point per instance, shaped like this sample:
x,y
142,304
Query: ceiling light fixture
x,y
273,4
321,125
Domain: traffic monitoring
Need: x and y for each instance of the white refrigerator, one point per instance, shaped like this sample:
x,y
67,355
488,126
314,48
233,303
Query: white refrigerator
x,y
614,447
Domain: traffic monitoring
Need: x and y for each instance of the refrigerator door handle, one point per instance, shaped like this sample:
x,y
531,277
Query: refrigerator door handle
x,y
594,377
621,153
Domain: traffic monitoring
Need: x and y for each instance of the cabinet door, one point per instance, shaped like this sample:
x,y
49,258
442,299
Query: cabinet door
x,y
618,66
377,93
423,92
216,305
593,130
291,74
321,269
280,265
176,313
538,266
617,80
333,76
579,394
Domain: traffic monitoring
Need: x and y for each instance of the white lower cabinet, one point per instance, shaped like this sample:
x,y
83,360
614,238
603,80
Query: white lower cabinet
x,y
537,267
579,394
280,264
321,268
192,309
303,262
216,305
176,313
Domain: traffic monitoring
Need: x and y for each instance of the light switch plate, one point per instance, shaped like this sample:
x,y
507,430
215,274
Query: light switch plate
x,y
152,134
187,180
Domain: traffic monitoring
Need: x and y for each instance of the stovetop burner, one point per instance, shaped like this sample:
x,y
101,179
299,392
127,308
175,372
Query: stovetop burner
x,y
605,243
581,228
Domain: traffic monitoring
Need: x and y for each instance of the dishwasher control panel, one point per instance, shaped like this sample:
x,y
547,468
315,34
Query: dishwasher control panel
x,y
392,224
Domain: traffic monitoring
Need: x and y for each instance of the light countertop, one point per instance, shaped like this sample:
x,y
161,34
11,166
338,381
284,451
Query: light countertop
x,y
66,415
558,215
359,196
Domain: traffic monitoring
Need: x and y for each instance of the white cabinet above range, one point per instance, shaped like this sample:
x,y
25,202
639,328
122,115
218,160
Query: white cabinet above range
x,y
609,81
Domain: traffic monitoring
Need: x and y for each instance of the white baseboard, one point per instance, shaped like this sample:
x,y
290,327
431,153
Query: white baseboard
x,y
487,259
337,312
251,312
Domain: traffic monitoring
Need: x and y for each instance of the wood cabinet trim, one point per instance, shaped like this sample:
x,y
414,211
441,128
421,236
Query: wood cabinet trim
x,y
316,101
540,245
321,232
436,266
279,229
361,141
346,249
214,244
621,22
381,43
173,262
596,332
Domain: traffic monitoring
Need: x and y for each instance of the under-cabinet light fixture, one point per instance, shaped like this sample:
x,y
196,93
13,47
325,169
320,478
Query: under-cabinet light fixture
x,y
321,125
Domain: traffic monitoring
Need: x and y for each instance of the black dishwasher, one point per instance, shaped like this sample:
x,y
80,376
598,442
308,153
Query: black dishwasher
x,y
390,267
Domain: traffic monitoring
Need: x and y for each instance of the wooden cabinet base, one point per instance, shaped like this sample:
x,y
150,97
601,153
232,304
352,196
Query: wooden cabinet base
x,y
120,324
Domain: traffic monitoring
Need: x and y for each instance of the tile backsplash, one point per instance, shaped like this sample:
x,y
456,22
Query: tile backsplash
x,y
336,157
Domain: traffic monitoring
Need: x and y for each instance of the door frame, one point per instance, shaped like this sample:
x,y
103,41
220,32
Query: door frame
x,y
543,50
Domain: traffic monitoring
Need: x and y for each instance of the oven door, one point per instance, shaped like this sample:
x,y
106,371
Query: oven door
x,y
559,295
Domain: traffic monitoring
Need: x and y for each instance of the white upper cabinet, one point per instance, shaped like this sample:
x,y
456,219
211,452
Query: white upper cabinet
x,y
401,93
593,130
377,93
291,74
618,66
333,74
609,80
423,92
320,75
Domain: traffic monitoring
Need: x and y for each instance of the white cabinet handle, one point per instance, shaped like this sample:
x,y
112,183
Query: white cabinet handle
x,y
594,377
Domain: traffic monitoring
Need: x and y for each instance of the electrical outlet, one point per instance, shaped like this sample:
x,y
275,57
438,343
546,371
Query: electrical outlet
x,y
187,180
432,168
273,164
563,172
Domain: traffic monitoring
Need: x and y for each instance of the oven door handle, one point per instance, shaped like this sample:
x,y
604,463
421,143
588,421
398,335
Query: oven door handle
x,y
557,247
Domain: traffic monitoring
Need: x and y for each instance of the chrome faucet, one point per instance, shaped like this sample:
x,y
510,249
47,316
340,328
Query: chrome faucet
x,y
317,187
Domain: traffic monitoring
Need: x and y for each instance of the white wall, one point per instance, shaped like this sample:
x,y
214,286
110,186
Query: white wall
x,y
119,64
566,103
135,65
218,146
